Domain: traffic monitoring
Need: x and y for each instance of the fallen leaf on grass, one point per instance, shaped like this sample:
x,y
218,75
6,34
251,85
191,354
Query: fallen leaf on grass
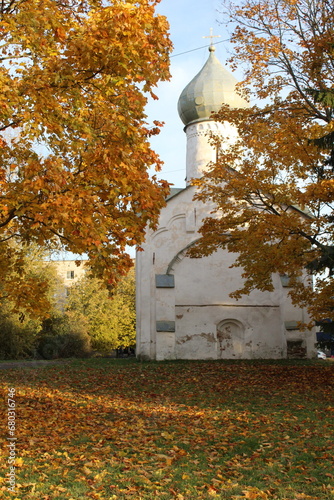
x,y
255,494
86,471
167,435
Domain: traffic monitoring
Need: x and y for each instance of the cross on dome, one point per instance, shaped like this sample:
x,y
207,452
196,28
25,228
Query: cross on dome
x,y
211,36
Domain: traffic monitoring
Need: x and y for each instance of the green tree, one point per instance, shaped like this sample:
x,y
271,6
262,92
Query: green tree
x,y
110,315
273,188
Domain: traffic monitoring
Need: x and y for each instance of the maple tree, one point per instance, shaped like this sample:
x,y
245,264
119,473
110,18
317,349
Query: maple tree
x,y
273,187
74,141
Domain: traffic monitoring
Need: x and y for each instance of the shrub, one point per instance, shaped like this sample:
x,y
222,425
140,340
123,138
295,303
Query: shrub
x,y
64,337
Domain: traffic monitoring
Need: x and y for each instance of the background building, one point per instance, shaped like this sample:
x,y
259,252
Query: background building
x,y
69,273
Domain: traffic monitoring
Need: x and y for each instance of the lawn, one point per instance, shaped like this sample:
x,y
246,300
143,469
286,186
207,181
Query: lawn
x,y
185,430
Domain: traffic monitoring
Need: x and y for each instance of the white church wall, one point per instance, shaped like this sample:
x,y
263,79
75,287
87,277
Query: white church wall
x,y
202,288
199,150
220,280
294,317
165,346
145,306
189,315
209,332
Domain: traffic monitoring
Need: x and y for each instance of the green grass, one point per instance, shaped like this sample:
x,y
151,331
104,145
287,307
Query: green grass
x,y
185,430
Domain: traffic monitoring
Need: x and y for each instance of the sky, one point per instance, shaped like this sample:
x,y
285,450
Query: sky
x,y
190,21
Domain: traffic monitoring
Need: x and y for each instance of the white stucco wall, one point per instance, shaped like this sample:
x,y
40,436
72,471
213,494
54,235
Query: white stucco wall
x,y
199,305
199,150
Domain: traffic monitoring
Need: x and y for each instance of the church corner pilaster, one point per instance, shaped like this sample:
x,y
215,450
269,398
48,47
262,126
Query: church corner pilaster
x,y
165,316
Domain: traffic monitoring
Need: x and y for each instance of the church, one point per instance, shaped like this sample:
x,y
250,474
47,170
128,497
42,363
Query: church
x,y
184,310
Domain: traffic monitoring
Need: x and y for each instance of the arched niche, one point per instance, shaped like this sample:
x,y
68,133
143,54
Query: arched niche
x,y
230,339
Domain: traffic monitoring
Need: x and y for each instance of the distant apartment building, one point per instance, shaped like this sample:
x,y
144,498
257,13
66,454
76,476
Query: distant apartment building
x,y
69,273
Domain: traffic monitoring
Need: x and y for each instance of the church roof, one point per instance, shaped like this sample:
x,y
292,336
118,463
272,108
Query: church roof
x,y
173,192
207,91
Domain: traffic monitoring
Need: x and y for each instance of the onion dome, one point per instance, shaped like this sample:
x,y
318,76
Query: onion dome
x,y
207,91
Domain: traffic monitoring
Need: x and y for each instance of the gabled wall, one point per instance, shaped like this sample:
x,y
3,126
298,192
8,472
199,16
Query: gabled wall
x,y
183,306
